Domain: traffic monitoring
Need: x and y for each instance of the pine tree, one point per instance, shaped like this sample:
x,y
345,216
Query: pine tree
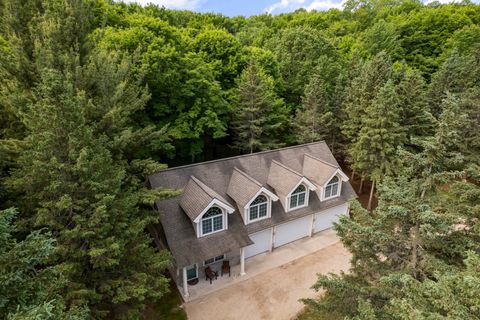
x,y
362,90
374,151
415,116
392,266
29,286
81,173
314,120
82,179
260,115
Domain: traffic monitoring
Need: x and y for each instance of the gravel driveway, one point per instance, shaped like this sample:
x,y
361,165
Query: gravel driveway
x,y
273,294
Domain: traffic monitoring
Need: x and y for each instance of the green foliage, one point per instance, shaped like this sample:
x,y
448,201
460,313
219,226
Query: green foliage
x,y
298,51
224,51
28,285
320,114
260,115
374,150
407,256
94,92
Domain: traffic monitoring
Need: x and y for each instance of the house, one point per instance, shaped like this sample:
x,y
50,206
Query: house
x,y
235,208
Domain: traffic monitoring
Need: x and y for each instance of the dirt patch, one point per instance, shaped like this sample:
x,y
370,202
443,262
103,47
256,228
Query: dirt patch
x,y
273,294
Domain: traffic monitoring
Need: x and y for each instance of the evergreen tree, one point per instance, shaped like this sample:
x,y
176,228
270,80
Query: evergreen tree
x,y
374,151
415,116
29,287
81,173
362,90
389,257
314,120
260,114
81,178
456,75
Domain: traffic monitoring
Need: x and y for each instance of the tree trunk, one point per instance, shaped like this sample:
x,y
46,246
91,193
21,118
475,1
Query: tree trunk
x,y
360,189
353,175
369,206
415,245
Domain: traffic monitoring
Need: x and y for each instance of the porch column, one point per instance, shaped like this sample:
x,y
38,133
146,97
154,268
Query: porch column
x,y
185,284
312,224
242,261
272,239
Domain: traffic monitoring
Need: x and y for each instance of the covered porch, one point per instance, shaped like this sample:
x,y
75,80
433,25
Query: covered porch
x,y
253,266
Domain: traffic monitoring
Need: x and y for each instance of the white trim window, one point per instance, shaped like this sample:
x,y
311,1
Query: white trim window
x,y
212,221
214,260
298,198
332,189
258,208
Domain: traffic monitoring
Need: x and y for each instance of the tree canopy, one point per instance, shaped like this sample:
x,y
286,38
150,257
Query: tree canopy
x,y
95,95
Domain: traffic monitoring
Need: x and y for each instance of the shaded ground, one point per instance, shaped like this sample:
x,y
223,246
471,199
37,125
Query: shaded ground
x,y
364,195
168,308
273,294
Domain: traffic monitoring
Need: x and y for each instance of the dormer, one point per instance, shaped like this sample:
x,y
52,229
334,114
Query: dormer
x,y
207,210
292,187
328,177
252,198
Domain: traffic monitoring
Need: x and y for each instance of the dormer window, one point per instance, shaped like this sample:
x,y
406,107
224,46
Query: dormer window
x,y
212,221
258,208
332,189
298,198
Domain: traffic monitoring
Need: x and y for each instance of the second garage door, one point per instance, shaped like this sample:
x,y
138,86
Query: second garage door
x,y
325,219
293,230
262,243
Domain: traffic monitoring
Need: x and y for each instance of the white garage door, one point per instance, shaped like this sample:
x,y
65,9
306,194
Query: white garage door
x,y
325,219
262,243
293,230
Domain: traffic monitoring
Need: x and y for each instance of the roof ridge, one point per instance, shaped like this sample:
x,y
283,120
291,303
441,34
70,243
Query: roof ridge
x,y
318,159
247,176
241,156
204,187
289,169
208,190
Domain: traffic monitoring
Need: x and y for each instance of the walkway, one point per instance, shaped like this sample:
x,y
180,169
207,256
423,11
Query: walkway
x,y
274,282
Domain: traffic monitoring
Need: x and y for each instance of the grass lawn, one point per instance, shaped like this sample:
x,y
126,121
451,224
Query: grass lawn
x,y
168,308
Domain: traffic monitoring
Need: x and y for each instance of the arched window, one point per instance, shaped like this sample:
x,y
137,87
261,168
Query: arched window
x,y
212,220
298,196
258,208
331,190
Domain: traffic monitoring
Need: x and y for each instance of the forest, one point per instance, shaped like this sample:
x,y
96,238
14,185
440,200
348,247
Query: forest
x,y
95,95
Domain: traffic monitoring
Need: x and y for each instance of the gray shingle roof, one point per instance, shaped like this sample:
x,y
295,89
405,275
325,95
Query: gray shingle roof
x,y
197,196
318,170
242,187
182,241
282,179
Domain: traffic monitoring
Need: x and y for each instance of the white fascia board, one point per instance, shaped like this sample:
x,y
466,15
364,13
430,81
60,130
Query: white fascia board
x,y
217,202
304,180
270,194
342,175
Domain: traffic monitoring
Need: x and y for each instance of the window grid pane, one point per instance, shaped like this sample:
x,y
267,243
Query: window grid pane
x,y
206,226
262,210
301,199
253,212
293,201
335,189
328,191
217,223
